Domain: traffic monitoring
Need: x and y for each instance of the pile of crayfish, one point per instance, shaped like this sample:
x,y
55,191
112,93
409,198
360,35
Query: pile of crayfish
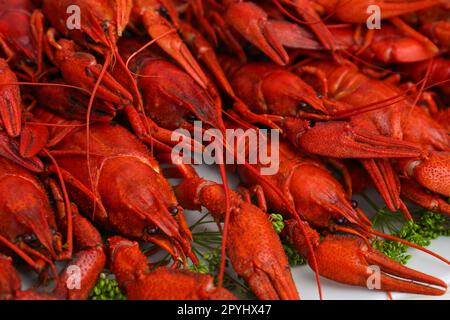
x,y
91,92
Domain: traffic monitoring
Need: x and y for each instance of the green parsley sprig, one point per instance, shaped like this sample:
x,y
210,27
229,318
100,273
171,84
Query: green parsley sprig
x,y
106,288
426,227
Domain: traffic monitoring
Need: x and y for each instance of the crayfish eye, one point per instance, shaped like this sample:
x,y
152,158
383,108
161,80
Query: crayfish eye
x,y
173,210
105,25
88,72
303,105
29,62
319,95
164,13
191,118
354,204
28,238
341,220
89,39
151,231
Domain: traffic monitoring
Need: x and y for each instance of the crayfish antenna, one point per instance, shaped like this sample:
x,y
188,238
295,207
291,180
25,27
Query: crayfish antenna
x,y
64,209
88,122
226,189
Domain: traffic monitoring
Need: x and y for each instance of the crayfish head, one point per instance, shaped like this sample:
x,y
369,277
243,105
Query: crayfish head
x,y
26,215
287,94
142,204
322,201
97,29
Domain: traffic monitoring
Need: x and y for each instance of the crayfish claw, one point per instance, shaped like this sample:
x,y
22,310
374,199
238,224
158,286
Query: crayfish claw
x,y
33,139
349,142
10,102
165,36
253,247
10,150
252,23
349,259
390,267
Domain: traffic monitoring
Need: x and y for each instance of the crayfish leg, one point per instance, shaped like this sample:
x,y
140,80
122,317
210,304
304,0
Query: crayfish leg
x,y
415,193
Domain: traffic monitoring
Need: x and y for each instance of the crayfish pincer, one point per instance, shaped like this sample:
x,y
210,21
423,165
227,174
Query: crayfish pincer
x,y
138,282
11,100
348,259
